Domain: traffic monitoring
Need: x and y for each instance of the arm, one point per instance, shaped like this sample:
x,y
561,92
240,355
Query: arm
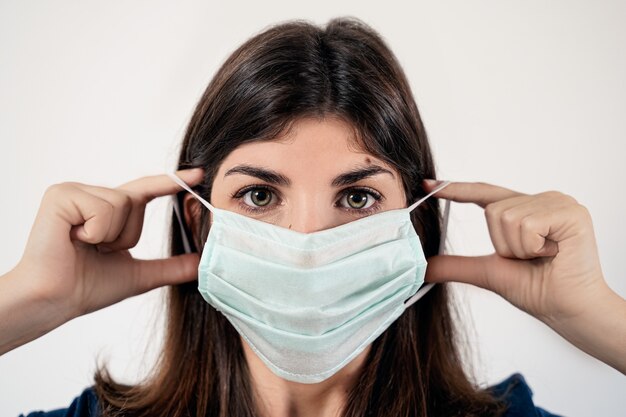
x,y
24,317
76,258
600,331
546,263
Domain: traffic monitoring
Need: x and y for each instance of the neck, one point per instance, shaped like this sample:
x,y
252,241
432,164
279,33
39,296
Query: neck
x,y
277,397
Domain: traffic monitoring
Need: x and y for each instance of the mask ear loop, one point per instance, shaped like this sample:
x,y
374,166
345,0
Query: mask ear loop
x,y
442,245
421,200
186,245
208,205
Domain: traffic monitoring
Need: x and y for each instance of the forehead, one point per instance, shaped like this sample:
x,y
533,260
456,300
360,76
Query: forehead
x,y
310,146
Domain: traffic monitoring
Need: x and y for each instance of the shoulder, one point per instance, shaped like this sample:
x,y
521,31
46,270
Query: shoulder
x,y
85,405
513,390
517,394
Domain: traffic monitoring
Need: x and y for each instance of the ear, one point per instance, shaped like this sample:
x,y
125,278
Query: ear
x,y
191,212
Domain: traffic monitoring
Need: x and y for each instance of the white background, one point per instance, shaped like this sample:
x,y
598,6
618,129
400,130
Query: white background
x,y
529,95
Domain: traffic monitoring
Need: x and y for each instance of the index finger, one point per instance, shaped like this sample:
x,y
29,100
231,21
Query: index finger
x,y
150,187
479,193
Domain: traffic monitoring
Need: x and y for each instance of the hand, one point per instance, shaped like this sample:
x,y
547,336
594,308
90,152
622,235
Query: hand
x,y
77,257
545,262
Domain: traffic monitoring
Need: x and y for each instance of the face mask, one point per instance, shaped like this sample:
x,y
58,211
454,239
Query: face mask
x,y
309,303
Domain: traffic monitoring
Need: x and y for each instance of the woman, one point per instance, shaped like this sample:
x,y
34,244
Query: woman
x,y
311,130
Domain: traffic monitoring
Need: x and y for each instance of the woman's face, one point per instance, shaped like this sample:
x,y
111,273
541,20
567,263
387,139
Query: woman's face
x,y
309,180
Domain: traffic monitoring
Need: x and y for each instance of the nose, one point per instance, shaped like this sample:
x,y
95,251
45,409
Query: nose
x,y
310,215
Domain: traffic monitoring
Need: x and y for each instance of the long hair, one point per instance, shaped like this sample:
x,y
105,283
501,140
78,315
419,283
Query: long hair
x,y
287,72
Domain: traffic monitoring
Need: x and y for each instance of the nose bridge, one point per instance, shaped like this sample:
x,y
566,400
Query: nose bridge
x,y
309,212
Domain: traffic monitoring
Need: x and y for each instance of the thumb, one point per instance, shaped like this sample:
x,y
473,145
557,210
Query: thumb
x,y
491,272
154,273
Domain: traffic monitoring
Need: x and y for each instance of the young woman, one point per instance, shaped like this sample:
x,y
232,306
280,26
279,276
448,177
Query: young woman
x,y
309,147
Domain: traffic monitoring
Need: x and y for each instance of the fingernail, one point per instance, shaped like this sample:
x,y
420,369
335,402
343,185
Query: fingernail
x,y
432,183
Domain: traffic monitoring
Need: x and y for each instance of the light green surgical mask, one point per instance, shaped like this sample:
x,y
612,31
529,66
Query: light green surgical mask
x,y
309,303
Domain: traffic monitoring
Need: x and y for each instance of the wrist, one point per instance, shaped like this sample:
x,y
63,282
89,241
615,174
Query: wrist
x,y
599,329
570,313
25,314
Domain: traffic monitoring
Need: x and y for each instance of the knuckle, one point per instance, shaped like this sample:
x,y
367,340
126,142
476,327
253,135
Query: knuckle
x,y
105,208
582,211
550,193
508,217
569,199
119,200
527,223
60,190
504,251
490,211
51,191
57,189
558,195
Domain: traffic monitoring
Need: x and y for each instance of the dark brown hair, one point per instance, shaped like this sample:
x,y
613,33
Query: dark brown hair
x,y
290,71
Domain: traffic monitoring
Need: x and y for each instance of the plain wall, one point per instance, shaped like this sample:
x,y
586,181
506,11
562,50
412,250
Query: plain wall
x,y
527,95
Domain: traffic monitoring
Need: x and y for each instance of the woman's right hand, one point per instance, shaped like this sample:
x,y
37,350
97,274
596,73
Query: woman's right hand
x,y
76,258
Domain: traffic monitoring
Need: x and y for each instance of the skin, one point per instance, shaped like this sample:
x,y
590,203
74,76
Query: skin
x,y
76,259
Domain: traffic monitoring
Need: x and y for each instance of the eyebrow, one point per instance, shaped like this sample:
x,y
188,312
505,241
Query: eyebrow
x,y
276,178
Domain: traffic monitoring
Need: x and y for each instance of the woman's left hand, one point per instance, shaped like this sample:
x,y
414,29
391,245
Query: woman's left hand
x,y
545,262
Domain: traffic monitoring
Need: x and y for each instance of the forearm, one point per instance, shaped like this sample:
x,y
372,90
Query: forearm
x,y
24,317
601,331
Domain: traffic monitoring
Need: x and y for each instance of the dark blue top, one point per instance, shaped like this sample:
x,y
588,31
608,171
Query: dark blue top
x,y
519,399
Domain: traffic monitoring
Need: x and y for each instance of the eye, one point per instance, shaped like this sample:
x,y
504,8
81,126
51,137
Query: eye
x,y
255,198
258,197
358,200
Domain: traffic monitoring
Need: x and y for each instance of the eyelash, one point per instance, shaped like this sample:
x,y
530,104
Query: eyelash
x,y
366,190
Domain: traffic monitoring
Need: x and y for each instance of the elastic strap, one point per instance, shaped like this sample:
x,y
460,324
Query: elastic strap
x,y
181,226
421,200
208,205
442,249
182,183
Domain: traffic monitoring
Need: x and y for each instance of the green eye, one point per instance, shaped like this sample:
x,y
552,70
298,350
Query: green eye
x,y
259,197
357,199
